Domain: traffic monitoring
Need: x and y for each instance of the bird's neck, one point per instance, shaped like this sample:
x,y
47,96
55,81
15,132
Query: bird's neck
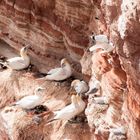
x,y
24,55
67,67
39,95
75,103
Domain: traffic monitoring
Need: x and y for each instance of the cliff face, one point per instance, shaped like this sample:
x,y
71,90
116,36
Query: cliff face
x,y
50,26
3,133
57,28
124,33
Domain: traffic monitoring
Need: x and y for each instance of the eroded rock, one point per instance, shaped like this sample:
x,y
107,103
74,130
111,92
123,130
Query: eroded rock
x,y
57,29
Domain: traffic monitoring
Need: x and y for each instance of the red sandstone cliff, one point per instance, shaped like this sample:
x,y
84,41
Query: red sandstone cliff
x,y
56,29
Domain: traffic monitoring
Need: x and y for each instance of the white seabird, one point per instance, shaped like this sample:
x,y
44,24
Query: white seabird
x,y
80,87
102,100
118,131
75,108
61,73
100,38
94,86
31,101
102,42
18,63
81,104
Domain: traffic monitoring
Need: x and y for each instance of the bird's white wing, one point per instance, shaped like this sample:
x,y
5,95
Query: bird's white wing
x,y
85,86
28,101
81,87
103,46
118,131
101,38
78,88
66,113
67,108
16,62
94,84
59,75
53,70
101,100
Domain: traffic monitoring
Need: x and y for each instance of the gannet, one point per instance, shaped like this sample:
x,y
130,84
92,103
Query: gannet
x,y
80,86
69,111
80,108
99,38
81,103
18,63
31,101
102,42
102,100
118,131
61,73
94,86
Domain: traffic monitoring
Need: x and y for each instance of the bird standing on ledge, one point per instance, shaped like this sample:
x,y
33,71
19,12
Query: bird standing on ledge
x,y
75,108
101,42
94,86
80,87
31,101
67,112
18,63
59,74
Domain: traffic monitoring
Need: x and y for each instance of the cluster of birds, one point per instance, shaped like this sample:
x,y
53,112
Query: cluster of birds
x,y
58,74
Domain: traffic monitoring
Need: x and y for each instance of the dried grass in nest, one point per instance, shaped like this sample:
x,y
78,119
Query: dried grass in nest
x,y
26,129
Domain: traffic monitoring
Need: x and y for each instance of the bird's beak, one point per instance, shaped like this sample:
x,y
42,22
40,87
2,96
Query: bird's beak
x,y
43,88
28,46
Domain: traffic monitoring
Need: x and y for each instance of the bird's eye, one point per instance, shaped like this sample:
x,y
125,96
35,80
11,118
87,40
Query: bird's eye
x,y
39,89
25,49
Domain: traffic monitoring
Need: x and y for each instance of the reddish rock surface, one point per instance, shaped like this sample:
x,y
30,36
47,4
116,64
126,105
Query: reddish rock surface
x,y
20,125
3,131
56,29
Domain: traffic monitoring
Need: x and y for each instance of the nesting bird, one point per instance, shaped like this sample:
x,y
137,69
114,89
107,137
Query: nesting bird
x,y
102,100
31,101
81,103
118,131
61,73
94,86
99,38
76,107
80,87
102,42
18,63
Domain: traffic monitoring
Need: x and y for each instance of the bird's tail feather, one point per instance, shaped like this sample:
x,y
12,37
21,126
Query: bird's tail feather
x,y
43,78
43,74
51,120
13,104
94,90
47,78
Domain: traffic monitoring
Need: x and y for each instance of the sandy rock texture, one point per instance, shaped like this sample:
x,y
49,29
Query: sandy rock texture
x,y
56,29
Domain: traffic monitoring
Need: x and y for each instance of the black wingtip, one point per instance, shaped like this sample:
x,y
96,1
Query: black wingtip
x,y
94,90
39,75
51,120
